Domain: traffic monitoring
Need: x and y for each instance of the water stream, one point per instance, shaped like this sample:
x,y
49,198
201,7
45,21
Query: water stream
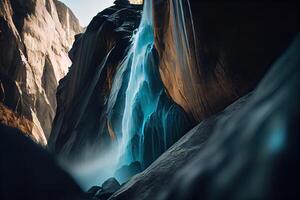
x,y
145,119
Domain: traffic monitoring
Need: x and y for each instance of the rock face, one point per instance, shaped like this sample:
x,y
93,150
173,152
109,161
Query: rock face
x,y
35,37
81,120
248,151
210,54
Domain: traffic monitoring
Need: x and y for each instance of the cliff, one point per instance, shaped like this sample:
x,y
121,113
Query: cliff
x,y
213,53
35,37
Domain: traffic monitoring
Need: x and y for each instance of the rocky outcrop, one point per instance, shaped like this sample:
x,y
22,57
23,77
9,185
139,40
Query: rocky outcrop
x,y
248,151
81,121
35,37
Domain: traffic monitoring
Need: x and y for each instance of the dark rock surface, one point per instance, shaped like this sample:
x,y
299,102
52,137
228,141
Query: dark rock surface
x,y
81,123
28,172
248,151
126,172
107,189
35,37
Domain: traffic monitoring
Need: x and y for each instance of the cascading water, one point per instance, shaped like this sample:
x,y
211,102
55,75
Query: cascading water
x,y
141,92
144,118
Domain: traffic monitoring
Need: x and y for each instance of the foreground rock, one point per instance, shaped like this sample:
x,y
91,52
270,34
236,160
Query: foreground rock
x,y
249,151
28,172
35,37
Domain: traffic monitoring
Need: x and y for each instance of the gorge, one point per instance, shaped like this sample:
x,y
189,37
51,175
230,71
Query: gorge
x,y
166,100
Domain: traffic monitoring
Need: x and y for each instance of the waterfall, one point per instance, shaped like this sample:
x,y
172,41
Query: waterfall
x,y
144,118
141,91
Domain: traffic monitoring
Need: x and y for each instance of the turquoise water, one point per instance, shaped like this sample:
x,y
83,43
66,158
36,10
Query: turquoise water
x,y
146,121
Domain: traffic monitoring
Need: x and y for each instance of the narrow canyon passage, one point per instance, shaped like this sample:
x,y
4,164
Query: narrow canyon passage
x,y
150,100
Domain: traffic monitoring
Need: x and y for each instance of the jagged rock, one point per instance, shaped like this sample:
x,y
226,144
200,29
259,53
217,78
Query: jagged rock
x,y
35,37
248,151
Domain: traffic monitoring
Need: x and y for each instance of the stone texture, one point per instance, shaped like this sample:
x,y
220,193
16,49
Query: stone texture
x,y
35,37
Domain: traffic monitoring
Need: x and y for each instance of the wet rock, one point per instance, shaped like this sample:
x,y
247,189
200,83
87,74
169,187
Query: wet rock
x,y
126,172
81,121
109,187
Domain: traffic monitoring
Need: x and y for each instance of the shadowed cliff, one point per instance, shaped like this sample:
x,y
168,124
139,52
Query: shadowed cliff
x,y
211,53
81,122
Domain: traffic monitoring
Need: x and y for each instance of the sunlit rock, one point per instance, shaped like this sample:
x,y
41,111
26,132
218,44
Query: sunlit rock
x,y
210,54
36,36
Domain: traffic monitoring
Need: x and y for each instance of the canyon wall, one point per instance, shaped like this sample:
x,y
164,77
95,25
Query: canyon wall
x,y
211,53
35,37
